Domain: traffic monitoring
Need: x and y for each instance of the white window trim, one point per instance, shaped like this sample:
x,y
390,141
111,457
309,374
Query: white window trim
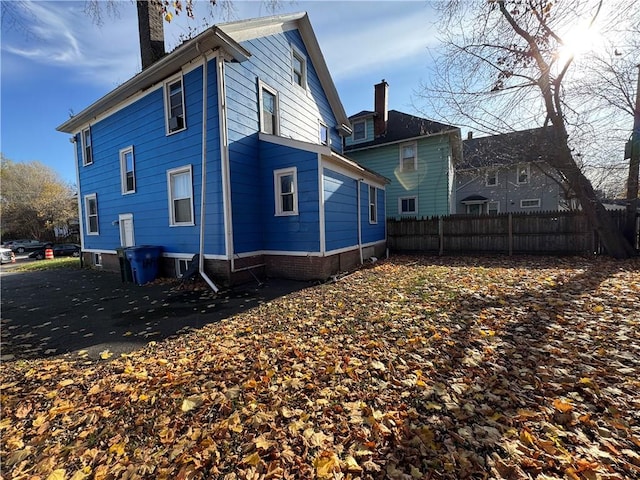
x,y
277,174
91,196
85,161
537,205
170,173
97,259
415,156
296,52
178,261
492,173
322,125
364,137
400,199
518,174
263,86
123,170
167,106
373,219
473,204
497,204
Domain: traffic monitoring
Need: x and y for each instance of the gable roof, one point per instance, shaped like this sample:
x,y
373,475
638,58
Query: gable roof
x,y
505,149
402,126
226,36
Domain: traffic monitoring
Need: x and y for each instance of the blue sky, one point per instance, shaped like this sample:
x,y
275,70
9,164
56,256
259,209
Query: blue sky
x,y
65,62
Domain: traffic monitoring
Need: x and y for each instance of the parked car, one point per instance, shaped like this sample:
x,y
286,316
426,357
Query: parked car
x,y
59,250
7,255
21,246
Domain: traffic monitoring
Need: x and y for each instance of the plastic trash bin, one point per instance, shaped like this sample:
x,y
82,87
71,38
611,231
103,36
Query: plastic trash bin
x,y
125,266
144,261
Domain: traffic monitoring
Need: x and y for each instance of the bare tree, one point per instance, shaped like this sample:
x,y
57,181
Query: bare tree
x,y
505,66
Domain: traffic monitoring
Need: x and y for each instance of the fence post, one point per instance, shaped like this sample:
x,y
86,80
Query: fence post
x,y
441,234
510,234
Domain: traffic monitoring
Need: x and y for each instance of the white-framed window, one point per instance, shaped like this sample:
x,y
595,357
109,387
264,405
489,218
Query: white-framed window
x,y
474,208
408,157
299,67
530,203
182,265
180,189
174,105
491,178
373,204
286,191
97,259
87,147
91,214
324,133
359,130
127,170
523,173
493,208
408,205
269,110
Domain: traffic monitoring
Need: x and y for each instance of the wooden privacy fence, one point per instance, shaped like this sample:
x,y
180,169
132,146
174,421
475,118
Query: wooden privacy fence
x,y
558,232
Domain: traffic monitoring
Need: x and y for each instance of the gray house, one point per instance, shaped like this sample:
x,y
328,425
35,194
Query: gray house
x,y
509,173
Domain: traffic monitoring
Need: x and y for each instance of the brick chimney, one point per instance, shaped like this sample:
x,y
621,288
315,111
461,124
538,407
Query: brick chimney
x,y
380,106
151,30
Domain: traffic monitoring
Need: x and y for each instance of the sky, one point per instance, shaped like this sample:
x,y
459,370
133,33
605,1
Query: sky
x,y
62,62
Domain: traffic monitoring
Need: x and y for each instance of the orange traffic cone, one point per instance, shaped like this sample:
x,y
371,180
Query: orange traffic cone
x,y
48,253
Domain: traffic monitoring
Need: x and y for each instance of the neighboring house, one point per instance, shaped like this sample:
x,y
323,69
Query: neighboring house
x,y
508,173
416,154
244,168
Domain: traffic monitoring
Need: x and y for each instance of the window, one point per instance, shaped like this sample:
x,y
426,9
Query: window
x,y
87,149
269,110
408,205
299,67
180,196
324,134
91,214
474,208
359,130
127,171
491,179
174,97
97,259
408,157
523,174
286,191
530,203
373,205
493,208
182,265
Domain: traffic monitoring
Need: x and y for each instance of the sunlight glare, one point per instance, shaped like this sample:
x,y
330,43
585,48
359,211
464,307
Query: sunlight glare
x,y
579,41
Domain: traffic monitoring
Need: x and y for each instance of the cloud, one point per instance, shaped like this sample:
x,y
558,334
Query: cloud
x,y
60,34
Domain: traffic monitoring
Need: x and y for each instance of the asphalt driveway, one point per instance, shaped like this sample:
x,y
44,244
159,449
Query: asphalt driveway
x,y
83,313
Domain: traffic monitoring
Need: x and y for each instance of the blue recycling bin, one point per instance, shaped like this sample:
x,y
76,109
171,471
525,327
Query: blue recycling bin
x,y
144,262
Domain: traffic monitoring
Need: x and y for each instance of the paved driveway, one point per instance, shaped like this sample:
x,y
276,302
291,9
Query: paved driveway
x,y
85,312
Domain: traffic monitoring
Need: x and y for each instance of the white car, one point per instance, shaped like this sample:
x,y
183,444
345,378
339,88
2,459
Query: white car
x,y
7,255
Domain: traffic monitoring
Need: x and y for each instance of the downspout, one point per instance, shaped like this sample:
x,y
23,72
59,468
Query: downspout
x,y
204,172
81,216
360,223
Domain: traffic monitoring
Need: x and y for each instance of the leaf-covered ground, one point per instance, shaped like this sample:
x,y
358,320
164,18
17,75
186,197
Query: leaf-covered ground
x,y
414,368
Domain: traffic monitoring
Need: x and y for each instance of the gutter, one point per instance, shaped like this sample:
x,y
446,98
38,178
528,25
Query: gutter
x,y
404,140
204,171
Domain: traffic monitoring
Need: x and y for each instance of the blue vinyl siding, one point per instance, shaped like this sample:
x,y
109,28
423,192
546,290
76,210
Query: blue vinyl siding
x,y
299,113
340,210
142,125
294,233
372,232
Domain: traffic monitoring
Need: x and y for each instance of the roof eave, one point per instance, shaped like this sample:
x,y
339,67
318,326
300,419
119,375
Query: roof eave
x,y
159,71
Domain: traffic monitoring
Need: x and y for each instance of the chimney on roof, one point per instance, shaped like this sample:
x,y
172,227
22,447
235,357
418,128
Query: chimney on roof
x,y
469,135
151,31
380,106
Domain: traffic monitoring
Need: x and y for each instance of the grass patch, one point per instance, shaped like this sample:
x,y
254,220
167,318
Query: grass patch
x,y
56,263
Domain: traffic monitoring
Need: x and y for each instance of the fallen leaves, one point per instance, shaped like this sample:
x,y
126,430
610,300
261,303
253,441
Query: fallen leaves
x,y
414,368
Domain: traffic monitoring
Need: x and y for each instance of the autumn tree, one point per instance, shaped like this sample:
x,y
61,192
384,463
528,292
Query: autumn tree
x,y
511,65
34,200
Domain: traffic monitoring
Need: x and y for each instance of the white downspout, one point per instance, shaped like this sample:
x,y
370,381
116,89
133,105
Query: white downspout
x,y
204,172
360,223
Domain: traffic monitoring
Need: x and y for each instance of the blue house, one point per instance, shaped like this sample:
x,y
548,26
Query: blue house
x,y
229,147
417,154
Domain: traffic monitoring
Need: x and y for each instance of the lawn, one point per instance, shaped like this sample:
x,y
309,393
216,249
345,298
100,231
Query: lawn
x,y
417,367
